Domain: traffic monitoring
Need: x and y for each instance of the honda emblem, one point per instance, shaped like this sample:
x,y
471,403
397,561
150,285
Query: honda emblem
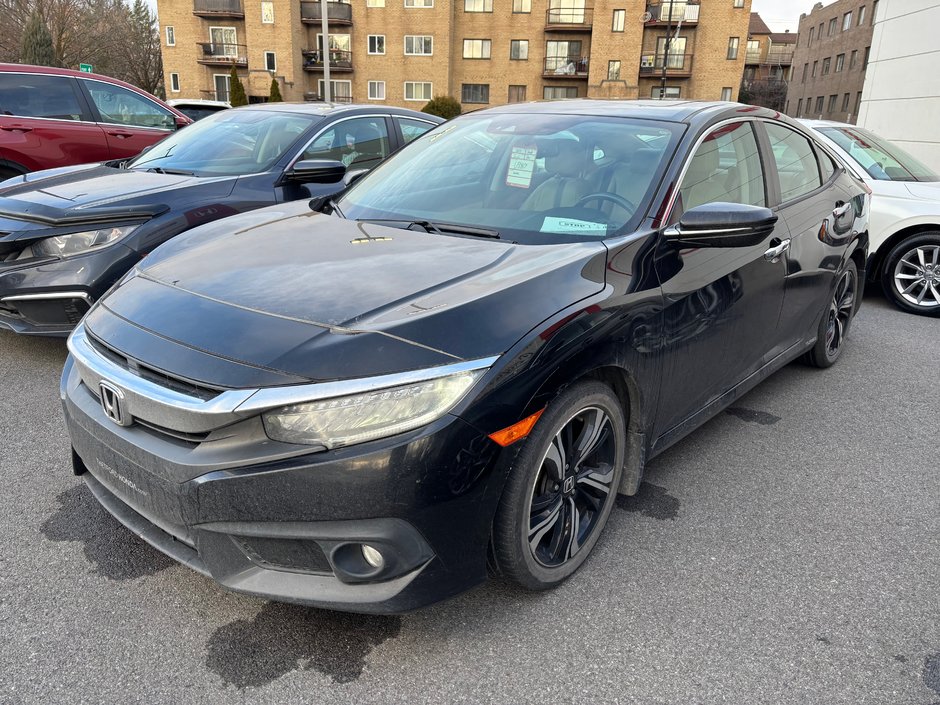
x,y
112,402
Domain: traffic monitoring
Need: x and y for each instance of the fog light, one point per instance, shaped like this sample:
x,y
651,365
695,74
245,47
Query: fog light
x,y
373,556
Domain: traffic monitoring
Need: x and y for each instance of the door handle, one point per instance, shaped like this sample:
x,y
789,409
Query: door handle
x,y
122,135
16,128
841,210
773,254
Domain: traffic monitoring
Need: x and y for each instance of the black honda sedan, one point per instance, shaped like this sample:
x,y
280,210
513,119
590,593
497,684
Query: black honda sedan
x,y
365,404
66,235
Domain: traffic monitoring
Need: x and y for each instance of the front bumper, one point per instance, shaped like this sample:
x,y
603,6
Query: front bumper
x,y
291,529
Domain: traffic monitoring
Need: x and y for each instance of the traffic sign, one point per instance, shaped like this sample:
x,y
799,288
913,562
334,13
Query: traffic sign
x,y
86,68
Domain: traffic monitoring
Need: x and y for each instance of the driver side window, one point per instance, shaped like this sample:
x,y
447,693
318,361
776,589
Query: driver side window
x,y
120,106
726,167
360,143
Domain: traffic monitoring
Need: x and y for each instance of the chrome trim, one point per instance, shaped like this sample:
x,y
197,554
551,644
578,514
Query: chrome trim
x,y
675,231
53,295
180,412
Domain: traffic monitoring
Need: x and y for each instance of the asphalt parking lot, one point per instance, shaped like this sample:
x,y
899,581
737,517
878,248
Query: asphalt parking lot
x,y
787,552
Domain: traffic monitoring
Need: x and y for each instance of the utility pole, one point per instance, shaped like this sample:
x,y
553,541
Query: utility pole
x,y
325,50
662,88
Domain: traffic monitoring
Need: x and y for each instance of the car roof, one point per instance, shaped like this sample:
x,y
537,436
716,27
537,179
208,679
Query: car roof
x,y
199,102
324,109
825,123
669,110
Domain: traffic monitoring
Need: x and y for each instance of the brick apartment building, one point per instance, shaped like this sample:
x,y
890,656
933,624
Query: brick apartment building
x,y
403,52
767,65
830,59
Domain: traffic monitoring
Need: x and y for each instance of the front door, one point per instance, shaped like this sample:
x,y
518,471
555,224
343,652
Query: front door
x,y
722,304
130,120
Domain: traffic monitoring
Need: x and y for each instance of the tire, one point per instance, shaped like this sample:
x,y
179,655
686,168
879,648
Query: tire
x,y
7,173
837,319
911,274
589,487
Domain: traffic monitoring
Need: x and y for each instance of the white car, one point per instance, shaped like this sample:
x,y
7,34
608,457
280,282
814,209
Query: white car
x,y
904,225
196,108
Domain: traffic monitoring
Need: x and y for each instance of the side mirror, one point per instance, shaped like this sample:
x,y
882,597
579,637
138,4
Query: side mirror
x,y
181,122
354,176
723,225
316,171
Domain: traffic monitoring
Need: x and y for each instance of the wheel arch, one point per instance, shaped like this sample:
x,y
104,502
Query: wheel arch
x,y
876,259
7,165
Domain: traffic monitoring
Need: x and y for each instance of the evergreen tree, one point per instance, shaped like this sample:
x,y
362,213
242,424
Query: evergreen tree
x,y
443,106
37,45
275,92
236,90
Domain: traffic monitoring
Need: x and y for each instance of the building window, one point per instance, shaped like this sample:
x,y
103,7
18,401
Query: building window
x,y
815,66
476,48
726,93
175,82
419,45
858,96
270,61
519,49
170,36
845,102
521,6
846,21
819,105
559,92
376,90
853,58
832,26
819,32
670,93
865,60
738,3
475,93
733,47
376,43
419,3
618,22
267,13
340,91
861,15
805,69
477,5
799,107
811,31
874,14
516,94
840,62
832,103
418,90
375,3
827,63
613,70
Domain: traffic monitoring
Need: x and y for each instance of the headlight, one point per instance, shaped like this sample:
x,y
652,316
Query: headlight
x,y
79,243
343,421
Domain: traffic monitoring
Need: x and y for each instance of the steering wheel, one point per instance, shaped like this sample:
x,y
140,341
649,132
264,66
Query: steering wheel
x,y
612,197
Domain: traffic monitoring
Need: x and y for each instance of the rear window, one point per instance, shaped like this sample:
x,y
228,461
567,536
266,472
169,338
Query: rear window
x,y
881,159
37,96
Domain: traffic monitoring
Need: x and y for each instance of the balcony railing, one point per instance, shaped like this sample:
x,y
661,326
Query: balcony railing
x,y
569,19
340,61
218,8
752,57
677,65
317,98
565,67
681,12
784,58
336,12
223,54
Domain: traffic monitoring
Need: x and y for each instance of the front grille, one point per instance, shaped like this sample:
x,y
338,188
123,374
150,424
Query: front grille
x,y
152,374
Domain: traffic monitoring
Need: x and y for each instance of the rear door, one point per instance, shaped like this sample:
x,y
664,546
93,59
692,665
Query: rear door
x,y
130,120
45,123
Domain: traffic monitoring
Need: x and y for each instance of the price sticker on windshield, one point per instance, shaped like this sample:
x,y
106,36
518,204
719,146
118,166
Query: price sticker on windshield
x,y
521,166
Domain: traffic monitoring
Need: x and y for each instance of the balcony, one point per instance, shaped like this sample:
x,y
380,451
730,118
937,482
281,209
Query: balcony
x,y
569,19
223,54
317,98
565,67
677,65
752,57
219,9
779,58
340,61
337,13
681,12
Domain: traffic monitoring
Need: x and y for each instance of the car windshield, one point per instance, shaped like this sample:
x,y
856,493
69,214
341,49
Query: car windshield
x,y
228,143
879,158
530,178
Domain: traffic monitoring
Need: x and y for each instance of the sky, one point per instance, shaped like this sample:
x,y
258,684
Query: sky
x,y
781,15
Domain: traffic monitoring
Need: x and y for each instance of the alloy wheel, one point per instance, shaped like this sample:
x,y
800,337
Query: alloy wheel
x,y
917,276
572,487
840,313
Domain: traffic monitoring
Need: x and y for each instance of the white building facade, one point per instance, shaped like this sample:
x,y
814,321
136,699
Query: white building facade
x,y
901,96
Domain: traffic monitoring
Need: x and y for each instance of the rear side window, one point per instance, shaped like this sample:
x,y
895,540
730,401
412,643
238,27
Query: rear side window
x,y
33,95
359,142
412,129
826,166
726,167
796,163
120,106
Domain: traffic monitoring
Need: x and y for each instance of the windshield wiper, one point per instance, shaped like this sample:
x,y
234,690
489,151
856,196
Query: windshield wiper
x,y
175,172
436,227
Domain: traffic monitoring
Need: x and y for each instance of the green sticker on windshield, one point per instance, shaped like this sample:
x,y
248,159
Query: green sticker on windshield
x,y
521,166
571,225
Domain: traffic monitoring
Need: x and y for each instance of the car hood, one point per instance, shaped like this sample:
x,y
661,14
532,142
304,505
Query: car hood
x,y
306,296
97,193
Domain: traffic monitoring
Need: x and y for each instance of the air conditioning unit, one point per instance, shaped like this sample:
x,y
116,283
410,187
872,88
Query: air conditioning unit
x,y
647,62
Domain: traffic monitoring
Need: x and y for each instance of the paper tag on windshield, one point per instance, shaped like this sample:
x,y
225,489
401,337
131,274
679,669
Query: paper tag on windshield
x,y
570,225
521,166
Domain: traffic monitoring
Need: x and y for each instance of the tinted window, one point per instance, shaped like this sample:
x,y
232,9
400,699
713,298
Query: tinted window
x,y
27,95
198,112
360,142
412,129
726,167
796,163
123,107
881,159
